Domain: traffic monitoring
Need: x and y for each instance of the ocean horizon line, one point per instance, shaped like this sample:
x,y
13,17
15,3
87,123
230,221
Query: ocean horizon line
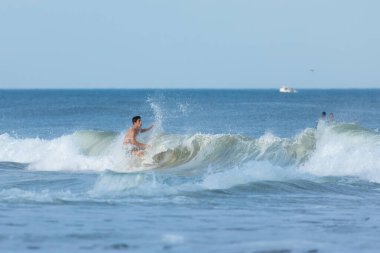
x,y
172,88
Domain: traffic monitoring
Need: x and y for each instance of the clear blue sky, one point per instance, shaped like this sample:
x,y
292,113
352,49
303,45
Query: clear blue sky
x,y
189,44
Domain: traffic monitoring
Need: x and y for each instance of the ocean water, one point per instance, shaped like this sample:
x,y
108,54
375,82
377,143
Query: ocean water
x,y
227,171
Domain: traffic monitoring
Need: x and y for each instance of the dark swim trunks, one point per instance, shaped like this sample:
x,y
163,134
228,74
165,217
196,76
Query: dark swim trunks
x,y
130,149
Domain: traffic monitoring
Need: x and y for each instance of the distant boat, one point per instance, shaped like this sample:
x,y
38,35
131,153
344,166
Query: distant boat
x,y
285,89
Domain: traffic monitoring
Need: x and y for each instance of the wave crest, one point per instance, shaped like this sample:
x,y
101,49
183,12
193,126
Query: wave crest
x,y
337,149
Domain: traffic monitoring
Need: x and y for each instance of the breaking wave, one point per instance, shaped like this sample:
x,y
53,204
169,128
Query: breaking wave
x,y
329,150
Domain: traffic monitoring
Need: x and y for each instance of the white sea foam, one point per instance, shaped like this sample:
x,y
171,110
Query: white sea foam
x,y
63,153
250,172
173,239
20,195
345,150
168,184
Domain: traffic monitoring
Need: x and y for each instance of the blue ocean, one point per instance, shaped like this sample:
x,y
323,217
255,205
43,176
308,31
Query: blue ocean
x,y
252,171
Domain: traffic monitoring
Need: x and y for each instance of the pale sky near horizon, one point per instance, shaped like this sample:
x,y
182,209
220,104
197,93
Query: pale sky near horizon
x,y
189,44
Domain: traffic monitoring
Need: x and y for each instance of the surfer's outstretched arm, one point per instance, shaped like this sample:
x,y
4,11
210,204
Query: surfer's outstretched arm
x,y
146,129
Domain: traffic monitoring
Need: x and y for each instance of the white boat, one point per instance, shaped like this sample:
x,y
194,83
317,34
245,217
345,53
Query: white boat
x,y
285,89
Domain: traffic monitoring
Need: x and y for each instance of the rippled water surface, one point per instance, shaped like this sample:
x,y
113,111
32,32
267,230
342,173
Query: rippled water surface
x,y
227,171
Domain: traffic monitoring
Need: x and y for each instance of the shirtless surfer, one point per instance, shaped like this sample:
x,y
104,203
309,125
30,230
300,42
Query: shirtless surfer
x,y
130,142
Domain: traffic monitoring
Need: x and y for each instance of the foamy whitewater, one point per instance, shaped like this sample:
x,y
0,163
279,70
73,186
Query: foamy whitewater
x,y
227,171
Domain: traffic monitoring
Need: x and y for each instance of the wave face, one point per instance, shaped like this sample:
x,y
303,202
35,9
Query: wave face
x,y
329,150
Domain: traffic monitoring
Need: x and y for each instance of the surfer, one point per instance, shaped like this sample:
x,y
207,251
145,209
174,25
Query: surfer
x,y
331,119
130,142
323,117
321,120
